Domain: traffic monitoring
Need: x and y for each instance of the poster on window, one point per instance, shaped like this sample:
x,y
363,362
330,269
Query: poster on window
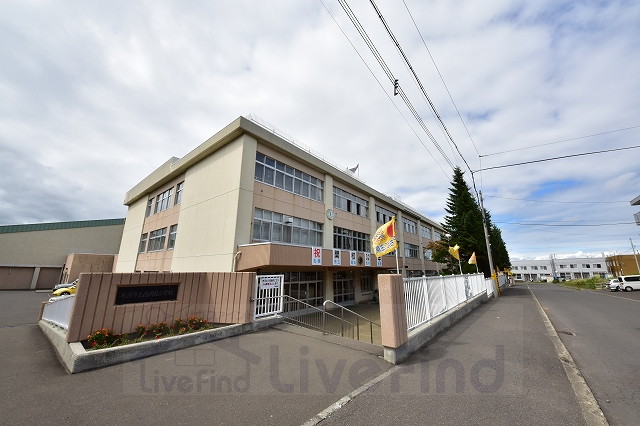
x,y
379,261
336,257
316,256
352,258
367,259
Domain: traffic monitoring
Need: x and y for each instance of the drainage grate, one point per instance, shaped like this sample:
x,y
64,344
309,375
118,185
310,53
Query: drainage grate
x,y
565,332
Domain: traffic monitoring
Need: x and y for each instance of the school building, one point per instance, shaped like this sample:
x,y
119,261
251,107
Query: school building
x,y
249,200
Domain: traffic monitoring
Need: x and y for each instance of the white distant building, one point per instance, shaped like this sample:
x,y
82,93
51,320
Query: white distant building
x,y
568,269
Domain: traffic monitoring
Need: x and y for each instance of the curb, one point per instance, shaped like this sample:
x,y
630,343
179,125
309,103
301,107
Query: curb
x,y
589,406
76,359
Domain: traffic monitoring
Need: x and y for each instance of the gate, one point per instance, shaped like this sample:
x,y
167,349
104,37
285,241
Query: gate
x,y
268,295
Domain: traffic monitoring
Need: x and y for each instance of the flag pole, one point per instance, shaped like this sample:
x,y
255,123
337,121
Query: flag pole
x,y
397,264
460,266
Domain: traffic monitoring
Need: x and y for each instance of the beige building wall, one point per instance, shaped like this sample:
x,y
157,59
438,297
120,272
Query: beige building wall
x,y
52,247
128,254
215,198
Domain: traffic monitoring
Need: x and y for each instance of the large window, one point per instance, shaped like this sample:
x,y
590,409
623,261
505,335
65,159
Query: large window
x,y
366,281
277,227
163,201
383,215
156,239
437,235
346,201
343,288
425,232
173,232
147,213
347,239
411,250
278,174
409,226
305,286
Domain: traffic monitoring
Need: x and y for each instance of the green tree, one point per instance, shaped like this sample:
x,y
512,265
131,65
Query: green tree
x,y
463,226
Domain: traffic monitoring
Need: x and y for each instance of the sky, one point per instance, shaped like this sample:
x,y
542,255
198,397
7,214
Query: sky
x,y
96,95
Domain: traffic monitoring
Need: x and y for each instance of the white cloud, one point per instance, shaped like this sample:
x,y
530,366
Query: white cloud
x,y
97,95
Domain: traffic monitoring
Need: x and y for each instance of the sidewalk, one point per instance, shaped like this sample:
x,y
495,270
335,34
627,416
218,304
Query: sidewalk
x,y
498,365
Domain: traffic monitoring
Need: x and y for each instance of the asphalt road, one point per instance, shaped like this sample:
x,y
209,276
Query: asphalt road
x,y
601,331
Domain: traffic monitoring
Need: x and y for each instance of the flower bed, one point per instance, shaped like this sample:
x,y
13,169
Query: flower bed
x,y
107,338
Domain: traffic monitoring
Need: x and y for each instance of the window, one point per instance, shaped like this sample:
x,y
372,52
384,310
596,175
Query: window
x,y
343,288
142,247
156,239
535,268
173,232
409,226
428,254
597,265
437,235
179,189
383,215
410,250
586,266
163,201
277,227
346,201
278,174
305,286
524,268
366,282
543,268
425,232
147,213
573,266
563,266
515,268
347,239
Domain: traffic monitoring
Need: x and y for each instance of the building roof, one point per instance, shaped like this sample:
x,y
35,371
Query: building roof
x,y
52,226
635,201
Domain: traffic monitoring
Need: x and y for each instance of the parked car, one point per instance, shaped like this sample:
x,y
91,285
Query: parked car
x,y
629,282
63,285
613,285
63,291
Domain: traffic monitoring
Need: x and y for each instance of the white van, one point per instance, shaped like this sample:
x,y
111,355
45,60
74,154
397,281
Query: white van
x,y
629,282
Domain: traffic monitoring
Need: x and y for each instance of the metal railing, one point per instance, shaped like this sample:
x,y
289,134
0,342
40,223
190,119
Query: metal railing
x,y
303,314
428,297
58,311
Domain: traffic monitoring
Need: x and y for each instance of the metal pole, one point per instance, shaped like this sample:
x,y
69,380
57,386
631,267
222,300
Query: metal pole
x,y
634,255
486,237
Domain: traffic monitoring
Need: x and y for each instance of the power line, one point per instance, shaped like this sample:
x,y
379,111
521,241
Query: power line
x,y
441,77
354,20
557,158
562,141
575,224
383,90
559,202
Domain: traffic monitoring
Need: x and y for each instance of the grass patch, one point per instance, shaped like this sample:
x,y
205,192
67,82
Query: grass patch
x,y
592,283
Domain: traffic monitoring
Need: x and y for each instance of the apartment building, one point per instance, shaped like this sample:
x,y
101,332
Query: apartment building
x,y
564,269
248,199
623,264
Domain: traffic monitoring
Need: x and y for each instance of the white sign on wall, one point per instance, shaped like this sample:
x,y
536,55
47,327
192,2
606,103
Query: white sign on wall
x,y
316,256
379,261
367,259
352,258
336,257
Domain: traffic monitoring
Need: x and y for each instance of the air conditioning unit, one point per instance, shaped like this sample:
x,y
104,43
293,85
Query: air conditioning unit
x,y
288,219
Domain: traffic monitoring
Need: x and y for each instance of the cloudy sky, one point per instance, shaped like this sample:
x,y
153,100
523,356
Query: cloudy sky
x,y
96,95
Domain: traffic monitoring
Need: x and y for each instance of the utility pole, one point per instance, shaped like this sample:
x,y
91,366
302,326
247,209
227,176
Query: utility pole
x,y
634,255
486,237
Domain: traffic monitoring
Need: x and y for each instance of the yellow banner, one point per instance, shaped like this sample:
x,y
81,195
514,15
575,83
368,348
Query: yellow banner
x,y
454,251
472,259
384,240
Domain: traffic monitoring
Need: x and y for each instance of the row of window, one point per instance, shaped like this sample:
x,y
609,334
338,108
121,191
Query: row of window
x,y
346,201
276,227
383,215
155,240
411,250
163,200
347,239
410,226
280,175
562,266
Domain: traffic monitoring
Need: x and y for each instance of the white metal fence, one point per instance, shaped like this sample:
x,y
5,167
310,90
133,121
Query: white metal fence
x,y
58,311
268,295
428,297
